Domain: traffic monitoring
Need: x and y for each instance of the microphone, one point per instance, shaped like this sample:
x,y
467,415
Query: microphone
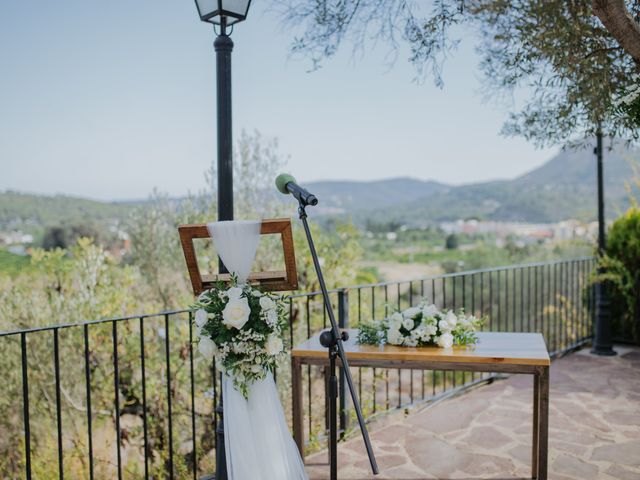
x,y
287,184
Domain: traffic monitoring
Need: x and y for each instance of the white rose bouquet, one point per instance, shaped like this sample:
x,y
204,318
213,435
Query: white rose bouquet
x,y
243,329
422,325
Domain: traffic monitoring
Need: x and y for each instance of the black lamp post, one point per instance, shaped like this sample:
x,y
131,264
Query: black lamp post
x,y
602,343
223,13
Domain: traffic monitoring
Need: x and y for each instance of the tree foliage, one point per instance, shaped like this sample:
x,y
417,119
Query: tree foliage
x,y
620,267
558,50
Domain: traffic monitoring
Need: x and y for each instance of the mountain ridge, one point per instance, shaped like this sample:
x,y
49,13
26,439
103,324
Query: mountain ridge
x,y
563,187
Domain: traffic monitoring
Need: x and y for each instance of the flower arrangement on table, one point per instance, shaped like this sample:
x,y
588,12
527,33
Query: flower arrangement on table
x,y
243,329
422,325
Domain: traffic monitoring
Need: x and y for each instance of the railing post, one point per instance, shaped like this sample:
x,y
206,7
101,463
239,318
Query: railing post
x,y
343,322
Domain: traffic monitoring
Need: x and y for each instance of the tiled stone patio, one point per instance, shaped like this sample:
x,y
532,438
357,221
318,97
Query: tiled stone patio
x,y
594,429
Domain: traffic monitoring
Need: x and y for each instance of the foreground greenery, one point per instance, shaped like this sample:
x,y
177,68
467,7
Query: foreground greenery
x,y
84,282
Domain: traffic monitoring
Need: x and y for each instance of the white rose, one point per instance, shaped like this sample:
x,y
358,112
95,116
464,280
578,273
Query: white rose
x,y
444,325
256,293
394,337
236,313
201,318
408,323
395,321
234,292
207,348
410,342
266,303
429,310
445,340
411,312
272,317
451,318
274,345
431,330
421,333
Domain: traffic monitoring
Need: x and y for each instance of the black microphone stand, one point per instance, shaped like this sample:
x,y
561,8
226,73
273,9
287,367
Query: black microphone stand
x,y
332,340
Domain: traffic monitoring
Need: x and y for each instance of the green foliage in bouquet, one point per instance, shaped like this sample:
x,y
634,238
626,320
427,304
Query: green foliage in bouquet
x,y
243,329
422,325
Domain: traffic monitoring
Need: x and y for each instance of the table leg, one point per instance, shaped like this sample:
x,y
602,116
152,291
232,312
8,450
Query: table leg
x,y
543,438
296,391
536,425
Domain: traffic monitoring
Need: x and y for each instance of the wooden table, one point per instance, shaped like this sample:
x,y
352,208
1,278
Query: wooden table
x,y
495,352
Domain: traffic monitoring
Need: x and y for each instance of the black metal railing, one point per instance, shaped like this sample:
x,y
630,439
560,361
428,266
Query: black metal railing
x,y
128,398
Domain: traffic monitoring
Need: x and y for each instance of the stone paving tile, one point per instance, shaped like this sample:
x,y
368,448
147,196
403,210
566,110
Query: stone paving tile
x,y
594,429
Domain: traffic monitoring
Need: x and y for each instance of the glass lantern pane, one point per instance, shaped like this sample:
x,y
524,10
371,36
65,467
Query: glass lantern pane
x,y
206,7
237,8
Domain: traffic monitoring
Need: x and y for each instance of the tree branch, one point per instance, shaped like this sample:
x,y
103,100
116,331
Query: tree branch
x,y
617,19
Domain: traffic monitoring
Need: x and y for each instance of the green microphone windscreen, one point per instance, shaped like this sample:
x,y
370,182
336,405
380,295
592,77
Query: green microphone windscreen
x,y
282,180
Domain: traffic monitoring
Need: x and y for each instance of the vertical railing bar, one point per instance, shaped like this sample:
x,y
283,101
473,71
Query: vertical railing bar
x,y
490,300
482,296
25,405
542,304
473,308
583,285
411,293
386,379
167,352
453,293
433,291
464,294
513,300
56,364
291,322
308,314
535,296
556,316
576,300
567,305
499,273
454,305
521,299
145,427
116,388
386,301
87,373
193,399
373,303
444,306
421,299
529,302
506,300
444,293
360,368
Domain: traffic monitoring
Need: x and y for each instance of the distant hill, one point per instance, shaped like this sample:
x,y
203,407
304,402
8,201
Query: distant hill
x,y
562,188
23,210
341,196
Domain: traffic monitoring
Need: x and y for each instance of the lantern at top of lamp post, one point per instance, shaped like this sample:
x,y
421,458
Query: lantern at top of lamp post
x,y
221,12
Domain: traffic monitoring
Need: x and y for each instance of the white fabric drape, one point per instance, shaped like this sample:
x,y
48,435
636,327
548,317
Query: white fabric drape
x,y
258,443
236,242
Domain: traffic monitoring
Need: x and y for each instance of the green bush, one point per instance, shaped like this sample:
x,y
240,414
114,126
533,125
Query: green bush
x,y
620,269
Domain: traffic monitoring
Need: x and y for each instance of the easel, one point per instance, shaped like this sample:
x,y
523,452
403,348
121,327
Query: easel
x,y
276,280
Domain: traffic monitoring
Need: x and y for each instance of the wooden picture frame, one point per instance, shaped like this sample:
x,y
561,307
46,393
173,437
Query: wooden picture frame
x,y
278,280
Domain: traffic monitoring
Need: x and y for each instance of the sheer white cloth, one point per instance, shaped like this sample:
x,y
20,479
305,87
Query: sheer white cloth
x,y
236,242
258,443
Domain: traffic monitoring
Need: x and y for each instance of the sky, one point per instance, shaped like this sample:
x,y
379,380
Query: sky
x,y
109,100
